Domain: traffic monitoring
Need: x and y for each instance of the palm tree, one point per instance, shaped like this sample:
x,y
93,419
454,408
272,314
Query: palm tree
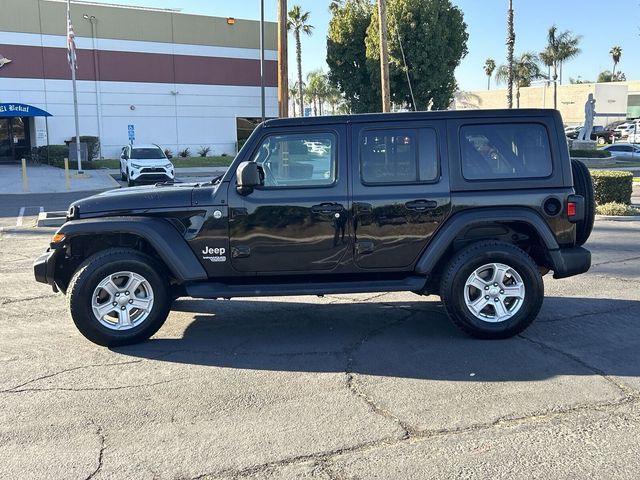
x,y
616,53
489,67
511,41
293,93
526,69
298,23
561,46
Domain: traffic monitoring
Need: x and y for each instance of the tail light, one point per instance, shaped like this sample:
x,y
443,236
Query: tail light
x,y
575,208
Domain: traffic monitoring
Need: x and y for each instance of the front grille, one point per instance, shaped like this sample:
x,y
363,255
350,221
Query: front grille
x,y
152,170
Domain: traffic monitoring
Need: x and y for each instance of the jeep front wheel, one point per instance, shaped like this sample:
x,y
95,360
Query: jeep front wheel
x,y
492,289
119,297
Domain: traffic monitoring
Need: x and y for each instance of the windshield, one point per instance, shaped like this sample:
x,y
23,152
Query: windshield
x,y
147,153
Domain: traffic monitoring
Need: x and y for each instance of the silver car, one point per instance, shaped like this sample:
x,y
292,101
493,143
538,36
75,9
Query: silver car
x,y
624,151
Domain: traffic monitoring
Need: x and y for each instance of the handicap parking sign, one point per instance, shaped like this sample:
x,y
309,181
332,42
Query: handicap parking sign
x,y
132,132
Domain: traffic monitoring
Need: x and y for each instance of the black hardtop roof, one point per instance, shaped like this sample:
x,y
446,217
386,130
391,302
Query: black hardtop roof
x,y
386,117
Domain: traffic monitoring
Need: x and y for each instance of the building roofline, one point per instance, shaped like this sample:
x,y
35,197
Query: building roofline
x,y
119,5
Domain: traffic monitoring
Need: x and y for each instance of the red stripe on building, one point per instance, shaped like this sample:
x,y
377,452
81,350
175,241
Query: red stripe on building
x,y
52,63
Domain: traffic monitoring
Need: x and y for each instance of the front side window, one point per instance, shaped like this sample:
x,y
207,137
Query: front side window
x,y
503,151
298,160
398,156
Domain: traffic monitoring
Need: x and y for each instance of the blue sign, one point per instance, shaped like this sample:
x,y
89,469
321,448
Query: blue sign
x,y
307,111
132,133
21,110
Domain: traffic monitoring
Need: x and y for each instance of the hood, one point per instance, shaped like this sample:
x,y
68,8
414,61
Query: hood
x,y
136,199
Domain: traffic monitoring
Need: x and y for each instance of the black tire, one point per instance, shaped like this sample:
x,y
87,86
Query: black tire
x,y
130,182
473,257
601,140
122,175
583,185
98,267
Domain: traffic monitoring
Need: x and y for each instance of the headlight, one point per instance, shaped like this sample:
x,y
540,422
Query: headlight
x,y
168,165
135,165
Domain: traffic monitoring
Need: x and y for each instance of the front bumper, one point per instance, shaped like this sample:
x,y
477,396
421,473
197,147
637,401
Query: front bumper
x,y
45,266
568,262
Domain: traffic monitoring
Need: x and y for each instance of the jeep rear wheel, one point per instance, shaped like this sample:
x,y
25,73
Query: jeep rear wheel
x,y
119,297
492,289
583,185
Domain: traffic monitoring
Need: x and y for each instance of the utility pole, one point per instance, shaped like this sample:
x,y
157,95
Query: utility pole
x,y
262,103
283,74
511,40
384,57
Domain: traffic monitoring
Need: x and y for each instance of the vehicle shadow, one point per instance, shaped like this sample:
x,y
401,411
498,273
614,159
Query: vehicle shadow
x,y
401,339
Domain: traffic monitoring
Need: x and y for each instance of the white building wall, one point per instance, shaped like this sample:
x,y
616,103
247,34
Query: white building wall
x,y
175,116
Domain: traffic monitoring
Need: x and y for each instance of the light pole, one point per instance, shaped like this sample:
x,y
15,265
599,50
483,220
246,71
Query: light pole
x,y
96,68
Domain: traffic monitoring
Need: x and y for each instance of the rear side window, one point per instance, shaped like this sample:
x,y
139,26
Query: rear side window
x,y
504,150
398,155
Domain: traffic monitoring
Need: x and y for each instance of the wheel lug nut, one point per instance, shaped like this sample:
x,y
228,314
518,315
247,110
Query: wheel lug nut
x,y
496,299
495,284
486,297
502,292
122,308
487,287
117,294
115,303
130,301
126,293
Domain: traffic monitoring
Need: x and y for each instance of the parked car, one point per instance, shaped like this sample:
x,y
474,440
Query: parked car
x,y
472,205
634,137
145,163
599,134
626,129
624,151
572,131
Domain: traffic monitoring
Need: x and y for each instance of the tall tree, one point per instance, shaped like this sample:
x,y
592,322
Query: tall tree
x,y
298,23
607,76
616,53
511,42
349,70
561,46
293,94
526,69
427,41
489,67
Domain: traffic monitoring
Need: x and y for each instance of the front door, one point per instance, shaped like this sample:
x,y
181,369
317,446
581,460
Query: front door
x,y
297,221
15,140
400,188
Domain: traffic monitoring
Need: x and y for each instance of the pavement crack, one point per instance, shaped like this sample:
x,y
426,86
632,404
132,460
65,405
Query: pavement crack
x,y
615,261
352,378
101,435
619,385
28,299
91,389
81,367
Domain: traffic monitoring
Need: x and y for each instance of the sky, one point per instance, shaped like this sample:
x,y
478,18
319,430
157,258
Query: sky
x,y
600,24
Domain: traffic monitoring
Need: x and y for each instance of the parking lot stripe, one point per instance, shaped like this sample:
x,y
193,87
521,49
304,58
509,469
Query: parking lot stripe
x,y
20,217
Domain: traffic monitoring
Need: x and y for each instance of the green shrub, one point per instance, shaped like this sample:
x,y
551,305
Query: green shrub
x,y
93,145
204,151
590,153
56,155
612,186
184,153
617,209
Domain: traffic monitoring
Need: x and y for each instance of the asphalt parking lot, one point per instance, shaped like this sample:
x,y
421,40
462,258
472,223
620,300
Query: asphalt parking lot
x,y
339,387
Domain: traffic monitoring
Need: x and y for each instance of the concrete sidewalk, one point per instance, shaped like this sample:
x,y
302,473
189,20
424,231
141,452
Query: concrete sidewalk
x,y
47,179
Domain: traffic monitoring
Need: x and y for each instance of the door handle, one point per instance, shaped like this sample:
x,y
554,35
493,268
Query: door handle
x,y
363,207
421,204
327,208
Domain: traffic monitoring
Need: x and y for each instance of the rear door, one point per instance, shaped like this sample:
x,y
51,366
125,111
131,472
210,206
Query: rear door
x,y
400,188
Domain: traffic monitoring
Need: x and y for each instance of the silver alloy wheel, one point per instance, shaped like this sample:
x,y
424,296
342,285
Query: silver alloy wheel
x,y
122,301
494,292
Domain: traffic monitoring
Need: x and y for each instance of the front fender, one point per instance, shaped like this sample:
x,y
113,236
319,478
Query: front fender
x,y
167,241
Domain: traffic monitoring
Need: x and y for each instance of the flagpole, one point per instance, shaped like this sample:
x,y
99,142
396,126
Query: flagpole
x,y
75,100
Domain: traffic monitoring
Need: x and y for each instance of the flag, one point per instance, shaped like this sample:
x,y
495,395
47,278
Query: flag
x,y
71,42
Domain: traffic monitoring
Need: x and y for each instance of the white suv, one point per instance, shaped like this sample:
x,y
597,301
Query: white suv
x,y
145,163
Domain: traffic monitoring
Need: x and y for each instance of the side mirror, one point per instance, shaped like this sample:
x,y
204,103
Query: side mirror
x,y
248,176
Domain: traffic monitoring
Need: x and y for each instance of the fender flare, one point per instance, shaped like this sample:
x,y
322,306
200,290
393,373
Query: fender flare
x,y
170,245
446,234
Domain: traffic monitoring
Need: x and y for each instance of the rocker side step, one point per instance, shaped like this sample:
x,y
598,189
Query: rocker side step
x,y
221,290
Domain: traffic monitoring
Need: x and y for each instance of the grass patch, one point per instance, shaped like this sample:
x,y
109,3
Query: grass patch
x,y
114,164
617,209
636,179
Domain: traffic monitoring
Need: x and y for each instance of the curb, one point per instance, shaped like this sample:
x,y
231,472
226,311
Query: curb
x,y
619,218
51,219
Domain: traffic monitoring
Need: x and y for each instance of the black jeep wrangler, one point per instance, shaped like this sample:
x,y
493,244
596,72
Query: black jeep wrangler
x,y
474,206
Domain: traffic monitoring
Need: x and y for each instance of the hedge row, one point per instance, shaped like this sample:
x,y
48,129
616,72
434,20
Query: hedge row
x,y
612,186
590,153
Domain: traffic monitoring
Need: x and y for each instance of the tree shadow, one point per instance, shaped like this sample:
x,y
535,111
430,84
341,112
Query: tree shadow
x,y
401,339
